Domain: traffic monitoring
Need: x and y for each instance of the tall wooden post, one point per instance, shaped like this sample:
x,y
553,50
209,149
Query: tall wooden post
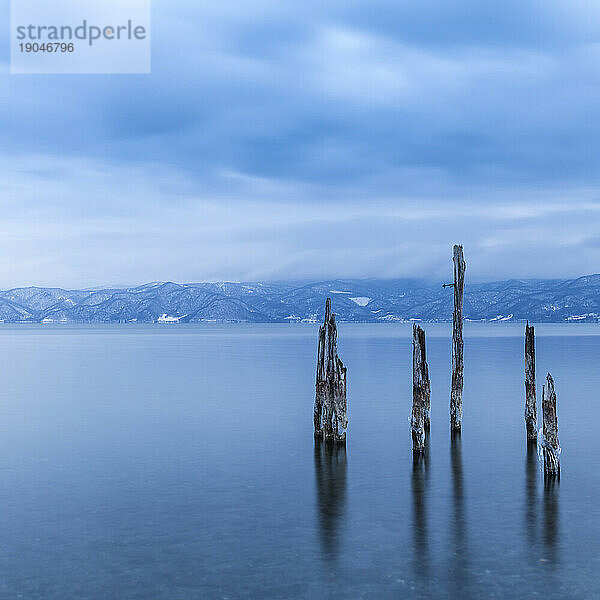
x,y
457,340
330,411
551,445
421,406
530,395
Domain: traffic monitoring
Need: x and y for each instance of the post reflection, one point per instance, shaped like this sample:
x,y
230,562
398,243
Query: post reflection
x,y
420,477
330,471
459,555
551,523
531,477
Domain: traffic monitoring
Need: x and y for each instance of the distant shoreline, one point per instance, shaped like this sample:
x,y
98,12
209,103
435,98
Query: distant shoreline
x,y
353,300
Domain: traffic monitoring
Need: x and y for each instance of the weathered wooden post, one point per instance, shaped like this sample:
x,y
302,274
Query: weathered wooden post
x,y
530,395
330,412
421,406
457,340
551,446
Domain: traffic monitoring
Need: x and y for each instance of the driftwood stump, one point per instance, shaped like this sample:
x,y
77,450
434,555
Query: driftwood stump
x,y
330,413
551,446
457,340
530,395
421,406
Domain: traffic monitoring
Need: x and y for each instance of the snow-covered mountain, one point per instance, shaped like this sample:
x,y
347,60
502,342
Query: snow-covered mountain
x,y
370,300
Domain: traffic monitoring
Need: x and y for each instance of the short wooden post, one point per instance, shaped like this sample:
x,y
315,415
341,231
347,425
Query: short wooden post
x,y
421,406
530,395
551,446
330,411
457,340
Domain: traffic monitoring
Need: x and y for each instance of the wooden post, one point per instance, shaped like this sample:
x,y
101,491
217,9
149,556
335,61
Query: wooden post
x,y
457,340
421,406
321,384
530,395
551,445
330,412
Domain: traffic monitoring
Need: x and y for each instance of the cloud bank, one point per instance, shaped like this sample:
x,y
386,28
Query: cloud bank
x,y
329,139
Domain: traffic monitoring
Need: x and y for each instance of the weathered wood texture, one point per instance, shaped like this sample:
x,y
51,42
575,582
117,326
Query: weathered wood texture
x,y
551,446
457,340
330,413
530,394
421,406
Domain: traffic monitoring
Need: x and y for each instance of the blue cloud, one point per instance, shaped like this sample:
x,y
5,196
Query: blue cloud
x,y
340,107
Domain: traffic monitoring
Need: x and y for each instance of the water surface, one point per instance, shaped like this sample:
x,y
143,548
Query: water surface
x,y
177,462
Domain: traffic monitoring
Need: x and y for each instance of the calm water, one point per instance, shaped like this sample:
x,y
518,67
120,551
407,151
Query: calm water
x,y
175,462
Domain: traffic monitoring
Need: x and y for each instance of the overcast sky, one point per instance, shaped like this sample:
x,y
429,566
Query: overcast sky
x,y
280,140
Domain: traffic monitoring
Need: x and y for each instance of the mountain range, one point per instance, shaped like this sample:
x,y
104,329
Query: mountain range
x,y
358,300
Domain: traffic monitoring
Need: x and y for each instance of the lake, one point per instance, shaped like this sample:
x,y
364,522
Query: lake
x,y
178,462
